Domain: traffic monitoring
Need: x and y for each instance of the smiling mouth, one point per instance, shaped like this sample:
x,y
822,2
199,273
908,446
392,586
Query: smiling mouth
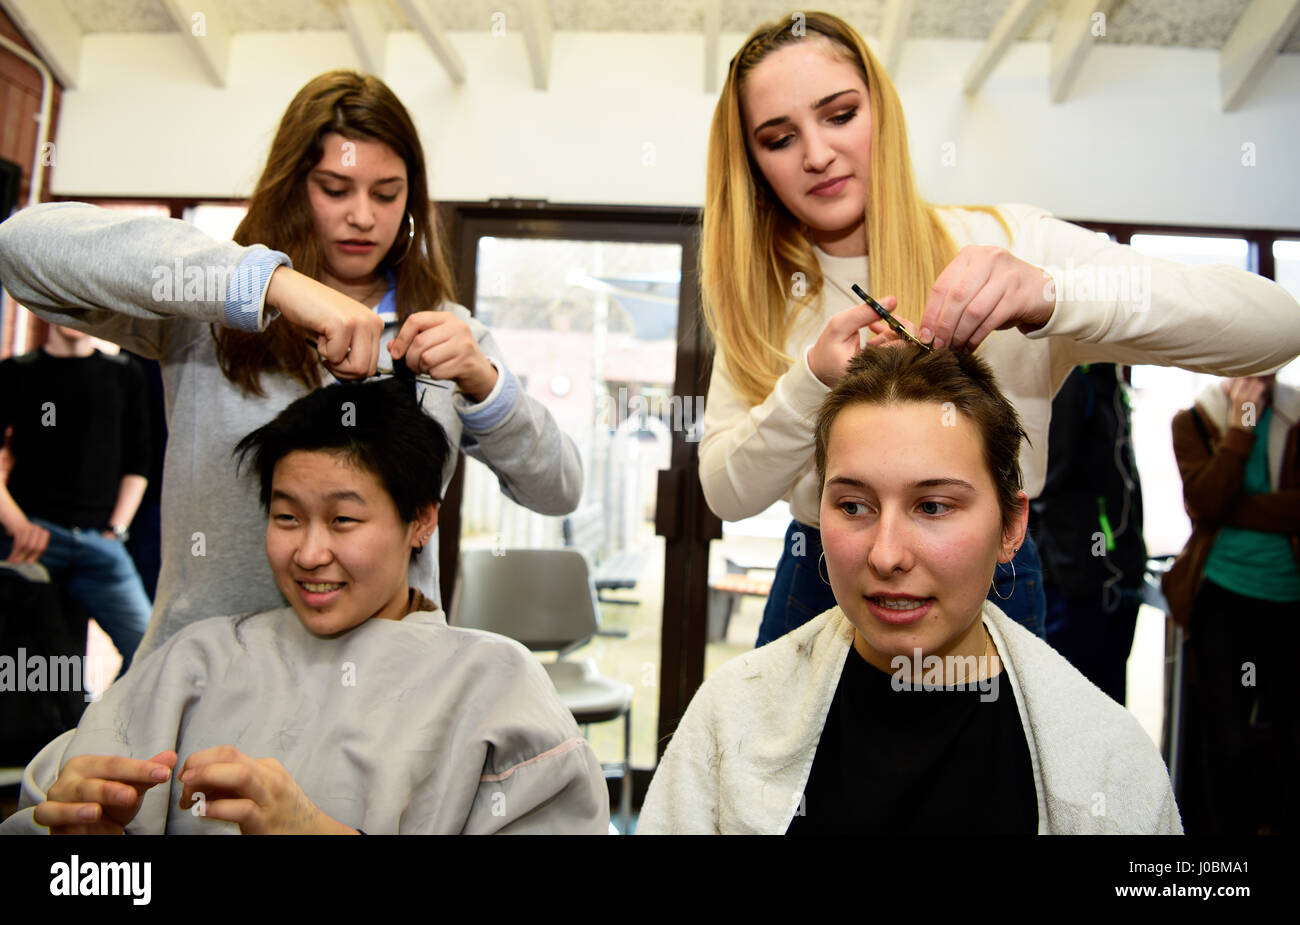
x,y
321,587
899,603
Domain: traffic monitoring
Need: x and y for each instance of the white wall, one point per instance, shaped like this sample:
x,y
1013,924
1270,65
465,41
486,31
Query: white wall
x,y
625,120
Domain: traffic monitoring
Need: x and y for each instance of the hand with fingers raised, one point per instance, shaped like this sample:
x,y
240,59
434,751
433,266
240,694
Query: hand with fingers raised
x,y
442,346
840,341
101,794
257,794
986,289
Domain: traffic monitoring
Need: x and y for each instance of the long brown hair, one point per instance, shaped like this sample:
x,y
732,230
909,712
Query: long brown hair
x,y
752,248
960,381
358,107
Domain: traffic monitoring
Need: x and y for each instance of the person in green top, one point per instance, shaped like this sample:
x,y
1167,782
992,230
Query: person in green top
x,y
1237,453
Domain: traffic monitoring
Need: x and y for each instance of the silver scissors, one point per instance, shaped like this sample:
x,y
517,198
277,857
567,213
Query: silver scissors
x,y
889,319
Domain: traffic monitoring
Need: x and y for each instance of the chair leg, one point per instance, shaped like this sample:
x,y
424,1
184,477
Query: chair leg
x,y
625,796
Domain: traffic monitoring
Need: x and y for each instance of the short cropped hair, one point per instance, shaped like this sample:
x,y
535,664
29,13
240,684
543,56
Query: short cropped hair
x,y
898,375
376,425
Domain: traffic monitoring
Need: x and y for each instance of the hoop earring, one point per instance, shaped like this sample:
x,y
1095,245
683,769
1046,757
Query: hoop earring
x,y
1013,583
819,568
410,236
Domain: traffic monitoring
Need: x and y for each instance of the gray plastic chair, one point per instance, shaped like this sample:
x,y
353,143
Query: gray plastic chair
x,y
545,599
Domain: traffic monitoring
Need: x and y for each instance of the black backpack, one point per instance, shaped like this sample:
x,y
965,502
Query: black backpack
x,y
42,644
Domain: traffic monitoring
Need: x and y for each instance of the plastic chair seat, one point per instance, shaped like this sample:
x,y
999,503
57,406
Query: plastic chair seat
x,y
589,696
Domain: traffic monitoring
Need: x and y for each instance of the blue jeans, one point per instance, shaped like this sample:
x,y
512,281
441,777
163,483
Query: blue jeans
x,y
799,592
99,573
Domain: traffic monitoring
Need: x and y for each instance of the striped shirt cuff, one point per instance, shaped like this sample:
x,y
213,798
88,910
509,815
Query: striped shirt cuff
x,y
246,293
491,411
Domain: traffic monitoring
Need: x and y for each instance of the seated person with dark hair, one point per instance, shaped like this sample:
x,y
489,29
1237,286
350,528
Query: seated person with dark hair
x,y
354,709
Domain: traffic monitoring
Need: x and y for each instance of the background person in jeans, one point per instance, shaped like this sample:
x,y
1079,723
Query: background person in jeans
x,y
80,447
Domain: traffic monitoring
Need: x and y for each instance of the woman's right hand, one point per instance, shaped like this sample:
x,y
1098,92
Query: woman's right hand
x,y
839,340
346,332
100,794
1247,399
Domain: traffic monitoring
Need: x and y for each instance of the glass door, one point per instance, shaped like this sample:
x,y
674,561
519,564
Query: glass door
x,y
588,311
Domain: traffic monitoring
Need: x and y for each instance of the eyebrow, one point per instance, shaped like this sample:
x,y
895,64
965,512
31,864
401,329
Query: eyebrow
x,y
347,179
342,495
924,483
817,105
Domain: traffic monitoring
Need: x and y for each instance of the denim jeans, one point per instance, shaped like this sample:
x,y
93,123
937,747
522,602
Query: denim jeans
x,y
799,592
99,573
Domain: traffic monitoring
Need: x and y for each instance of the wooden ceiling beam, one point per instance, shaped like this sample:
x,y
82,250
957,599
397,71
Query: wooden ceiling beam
x,y
893,32
1072,41
537,39
1252,47
366,31
1009,28
425,20
52,32
207,34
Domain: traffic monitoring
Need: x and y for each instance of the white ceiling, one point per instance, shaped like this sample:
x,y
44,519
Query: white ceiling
x,y
1185,23
1248,35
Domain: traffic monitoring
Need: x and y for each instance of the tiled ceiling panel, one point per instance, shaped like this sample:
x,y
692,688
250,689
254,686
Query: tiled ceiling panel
x,y
1186,23
119,15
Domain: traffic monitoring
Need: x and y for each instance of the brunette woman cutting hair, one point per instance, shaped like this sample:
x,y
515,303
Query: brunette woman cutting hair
x,y
339,245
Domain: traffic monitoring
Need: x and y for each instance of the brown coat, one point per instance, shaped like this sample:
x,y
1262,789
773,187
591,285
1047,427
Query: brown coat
x,y
1212,479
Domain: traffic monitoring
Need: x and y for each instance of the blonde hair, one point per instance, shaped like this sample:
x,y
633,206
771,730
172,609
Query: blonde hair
x,y
752,246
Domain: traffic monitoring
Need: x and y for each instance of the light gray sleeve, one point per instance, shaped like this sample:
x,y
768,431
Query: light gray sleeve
x,y
517,438
560,792
540,775
122,277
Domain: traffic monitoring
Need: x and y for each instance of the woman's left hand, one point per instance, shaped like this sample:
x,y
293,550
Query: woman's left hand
x,y
259,795
440,345
986,289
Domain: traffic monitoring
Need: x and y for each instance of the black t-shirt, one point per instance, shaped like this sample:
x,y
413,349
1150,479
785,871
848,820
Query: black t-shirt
x,y
918,762
79,425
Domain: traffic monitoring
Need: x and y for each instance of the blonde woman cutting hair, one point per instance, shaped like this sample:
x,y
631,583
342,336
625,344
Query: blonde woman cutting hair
x,y
809,192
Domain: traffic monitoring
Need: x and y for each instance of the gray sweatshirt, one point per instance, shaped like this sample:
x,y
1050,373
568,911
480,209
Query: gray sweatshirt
x,y
106,273
395,727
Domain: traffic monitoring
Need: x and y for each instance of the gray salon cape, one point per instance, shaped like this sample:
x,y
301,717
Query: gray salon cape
x,y
394,727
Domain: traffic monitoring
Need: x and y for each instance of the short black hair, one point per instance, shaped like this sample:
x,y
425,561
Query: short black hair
x,y
377,425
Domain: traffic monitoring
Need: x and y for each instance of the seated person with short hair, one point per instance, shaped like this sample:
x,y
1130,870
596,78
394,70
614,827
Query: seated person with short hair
x,y
356,708
915,706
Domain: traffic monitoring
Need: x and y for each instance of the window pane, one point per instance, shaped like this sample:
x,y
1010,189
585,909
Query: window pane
x,y
218,220
590,330
1286,271
1160,392
138,208
1193,250
741,567
1286,265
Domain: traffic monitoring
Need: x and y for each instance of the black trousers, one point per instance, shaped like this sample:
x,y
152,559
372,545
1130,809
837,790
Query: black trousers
x,y
1243,716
